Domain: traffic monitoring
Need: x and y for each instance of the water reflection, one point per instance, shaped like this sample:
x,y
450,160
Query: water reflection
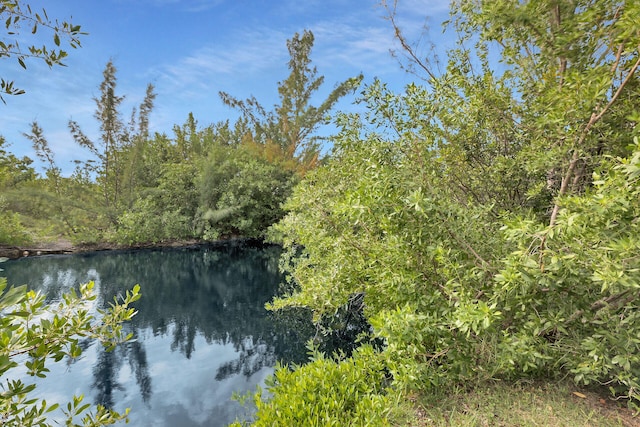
x,y
201,331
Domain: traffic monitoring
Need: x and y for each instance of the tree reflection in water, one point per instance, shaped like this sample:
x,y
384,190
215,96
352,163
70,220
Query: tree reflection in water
x,y
212,296
215,292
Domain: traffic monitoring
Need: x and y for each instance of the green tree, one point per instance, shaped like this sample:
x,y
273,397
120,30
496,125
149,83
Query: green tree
x,y
482,215
13,170
166,212
139,139
241,194
55,205
582,288
166,194
12,230
112,139
116,142
17,15
286,133
53,173
15,173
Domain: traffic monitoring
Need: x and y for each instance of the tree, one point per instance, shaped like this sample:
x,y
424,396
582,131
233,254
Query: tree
x,y
289,128
34,333
133,156
13,170
14,174
489,216
116,141
45,154
165,198
17,15
240,193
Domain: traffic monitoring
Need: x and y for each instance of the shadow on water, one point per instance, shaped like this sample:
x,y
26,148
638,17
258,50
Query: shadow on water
x,y
205,304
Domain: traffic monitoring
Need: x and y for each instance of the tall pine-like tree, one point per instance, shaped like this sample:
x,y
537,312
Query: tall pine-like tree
x,y
117,142
287,132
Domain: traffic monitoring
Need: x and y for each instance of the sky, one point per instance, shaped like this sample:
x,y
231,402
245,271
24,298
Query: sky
x,y
192,49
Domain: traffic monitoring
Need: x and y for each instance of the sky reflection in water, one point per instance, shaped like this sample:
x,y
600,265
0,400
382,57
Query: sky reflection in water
x,y
201,333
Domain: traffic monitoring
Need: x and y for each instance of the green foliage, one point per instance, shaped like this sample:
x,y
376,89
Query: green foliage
x,y
326,392
286,134
146,222
377,219
165,213
15,174
12,231
583,284
16,15
13,171
117,150
468,213
380,219
241,194
576,91
34,334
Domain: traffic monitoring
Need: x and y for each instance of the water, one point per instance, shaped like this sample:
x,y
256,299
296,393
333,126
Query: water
x,y
202,332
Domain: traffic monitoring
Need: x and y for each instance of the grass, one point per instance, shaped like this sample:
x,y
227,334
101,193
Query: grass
x,y
522,404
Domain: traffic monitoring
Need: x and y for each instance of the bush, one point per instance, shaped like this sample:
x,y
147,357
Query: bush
x,y
328,392
579,284
12,232
242,194
146,223
459,294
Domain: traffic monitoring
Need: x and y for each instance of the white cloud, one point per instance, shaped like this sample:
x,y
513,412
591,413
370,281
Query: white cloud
x,y
425,7
185,5
248,52
340,44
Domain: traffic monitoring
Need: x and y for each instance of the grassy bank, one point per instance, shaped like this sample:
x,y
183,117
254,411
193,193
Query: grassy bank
x,y
522,404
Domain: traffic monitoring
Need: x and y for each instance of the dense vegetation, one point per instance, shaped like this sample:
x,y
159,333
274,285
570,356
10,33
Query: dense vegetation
x,y
487,216
225,179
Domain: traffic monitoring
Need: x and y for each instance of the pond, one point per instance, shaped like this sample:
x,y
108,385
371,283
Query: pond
x,y
201,332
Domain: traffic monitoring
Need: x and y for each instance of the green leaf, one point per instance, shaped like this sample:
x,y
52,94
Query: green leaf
x,y
14,295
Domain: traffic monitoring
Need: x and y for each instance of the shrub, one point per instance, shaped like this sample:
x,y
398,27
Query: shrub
x,y
327,392
12,232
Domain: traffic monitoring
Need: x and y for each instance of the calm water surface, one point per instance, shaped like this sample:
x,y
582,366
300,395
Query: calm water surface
x,y
201,332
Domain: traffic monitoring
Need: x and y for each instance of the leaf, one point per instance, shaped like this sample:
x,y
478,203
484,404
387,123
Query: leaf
x,y
53,407
13,296
580,395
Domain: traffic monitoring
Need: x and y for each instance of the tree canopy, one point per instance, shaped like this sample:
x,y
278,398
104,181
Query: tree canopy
x,y
287,131
488,215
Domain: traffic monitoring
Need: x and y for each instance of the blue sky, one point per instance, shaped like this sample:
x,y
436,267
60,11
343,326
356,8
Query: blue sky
x,y
192,49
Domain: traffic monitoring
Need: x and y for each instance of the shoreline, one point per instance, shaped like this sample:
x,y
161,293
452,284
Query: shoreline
x,y
65,247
